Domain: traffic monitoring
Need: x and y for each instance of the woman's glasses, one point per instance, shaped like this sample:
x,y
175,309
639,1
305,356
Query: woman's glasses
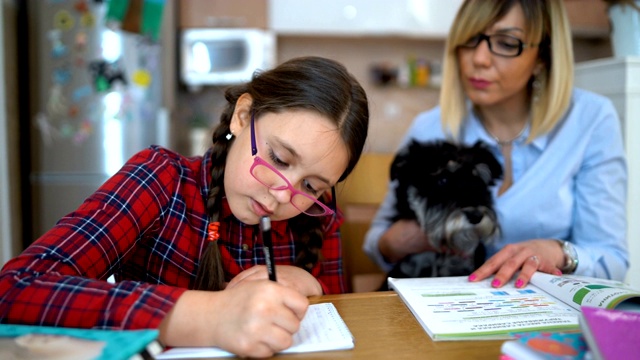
x,y
270,177
499,44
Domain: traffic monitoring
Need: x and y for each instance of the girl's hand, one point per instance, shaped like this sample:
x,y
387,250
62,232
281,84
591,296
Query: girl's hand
x,y
290,276
253,319
527,257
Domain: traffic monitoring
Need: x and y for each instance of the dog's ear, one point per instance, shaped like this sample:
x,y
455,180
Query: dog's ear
x,y
400,161
487,166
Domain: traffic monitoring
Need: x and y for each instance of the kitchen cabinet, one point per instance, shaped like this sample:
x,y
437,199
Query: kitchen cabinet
x,y
223,13
413,18
617,78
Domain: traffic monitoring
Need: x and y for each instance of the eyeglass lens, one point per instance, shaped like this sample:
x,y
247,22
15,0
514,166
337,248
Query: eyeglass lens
x,y
274,180
499,44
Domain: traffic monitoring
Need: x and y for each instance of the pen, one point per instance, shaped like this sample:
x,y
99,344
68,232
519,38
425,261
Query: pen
x,y
265,227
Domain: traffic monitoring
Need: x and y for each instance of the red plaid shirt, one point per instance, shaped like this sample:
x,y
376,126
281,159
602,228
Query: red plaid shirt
x,y
147,225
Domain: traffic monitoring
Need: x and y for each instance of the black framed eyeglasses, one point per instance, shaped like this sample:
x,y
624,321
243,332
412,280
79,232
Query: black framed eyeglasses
x,y
499,44
270,177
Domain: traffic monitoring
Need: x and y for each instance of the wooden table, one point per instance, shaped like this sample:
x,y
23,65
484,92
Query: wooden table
x,y
384,328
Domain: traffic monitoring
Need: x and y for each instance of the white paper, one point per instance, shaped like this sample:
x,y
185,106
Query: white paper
x,y
321,329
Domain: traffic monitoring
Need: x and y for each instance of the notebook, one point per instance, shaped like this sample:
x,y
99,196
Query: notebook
x,y
321,329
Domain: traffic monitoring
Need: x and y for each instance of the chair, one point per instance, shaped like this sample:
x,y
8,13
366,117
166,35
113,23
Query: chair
x,y
359,197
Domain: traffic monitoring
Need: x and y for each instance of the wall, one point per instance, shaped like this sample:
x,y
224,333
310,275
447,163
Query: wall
x,y
392,108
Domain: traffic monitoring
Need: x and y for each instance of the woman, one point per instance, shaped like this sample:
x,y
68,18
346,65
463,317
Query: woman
x,y
508,81
180,234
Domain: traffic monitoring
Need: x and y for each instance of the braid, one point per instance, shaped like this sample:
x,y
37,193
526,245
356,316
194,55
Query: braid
x,y
307,231
210,270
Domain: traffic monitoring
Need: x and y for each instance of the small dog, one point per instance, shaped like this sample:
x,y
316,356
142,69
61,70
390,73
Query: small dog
x,y
447,189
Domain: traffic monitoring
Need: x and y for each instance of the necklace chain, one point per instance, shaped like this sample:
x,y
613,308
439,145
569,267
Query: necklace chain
x,y
505,142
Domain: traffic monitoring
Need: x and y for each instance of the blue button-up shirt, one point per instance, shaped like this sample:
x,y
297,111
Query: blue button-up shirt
x,y
568,184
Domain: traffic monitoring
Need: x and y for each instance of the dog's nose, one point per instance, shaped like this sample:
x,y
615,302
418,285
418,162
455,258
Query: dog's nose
x,y
473,215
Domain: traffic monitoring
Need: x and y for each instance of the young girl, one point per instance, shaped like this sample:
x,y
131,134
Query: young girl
x,y
170,227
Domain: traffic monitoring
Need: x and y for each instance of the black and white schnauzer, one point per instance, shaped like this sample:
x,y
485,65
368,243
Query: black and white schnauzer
x,y
447,189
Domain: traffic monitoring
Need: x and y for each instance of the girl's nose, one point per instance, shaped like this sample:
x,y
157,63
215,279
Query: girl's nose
x,y
283,196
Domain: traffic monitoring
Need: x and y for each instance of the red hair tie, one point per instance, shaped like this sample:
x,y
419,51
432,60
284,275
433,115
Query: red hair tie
x,y
212,229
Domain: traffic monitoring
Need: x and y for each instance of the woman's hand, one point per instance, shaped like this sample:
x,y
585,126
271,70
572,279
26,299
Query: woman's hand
x,y
527,257
252,319
403,238
290,276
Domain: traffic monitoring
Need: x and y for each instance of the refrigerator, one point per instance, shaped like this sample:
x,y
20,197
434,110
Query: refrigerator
x,y
94,98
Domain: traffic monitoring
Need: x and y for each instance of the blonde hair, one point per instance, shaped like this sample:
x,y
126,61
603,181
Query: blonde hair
x,y
547,25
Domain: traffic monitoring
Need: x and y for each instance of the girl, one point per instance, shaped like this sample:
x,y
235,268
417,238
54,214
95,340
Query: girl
x,y
170,228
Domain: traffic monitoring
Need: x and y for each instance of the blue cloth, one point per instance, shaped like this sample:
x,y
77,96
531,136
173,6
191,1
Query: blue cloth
x,y
569,184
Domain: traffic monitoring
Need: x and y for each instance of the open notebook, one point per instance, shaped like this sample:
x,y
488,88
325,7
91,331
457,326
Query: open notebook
x,y
322,329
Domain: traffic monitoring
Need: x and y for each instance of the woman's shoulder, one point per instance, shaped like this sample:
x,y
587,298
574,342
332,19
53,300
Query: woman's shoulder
x,y
589,110
585,99
427,125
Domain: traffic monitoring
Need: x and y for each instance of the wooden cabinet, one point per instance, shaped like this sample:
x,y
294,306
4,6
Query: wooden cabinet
x,y
410,18
588,18
223,13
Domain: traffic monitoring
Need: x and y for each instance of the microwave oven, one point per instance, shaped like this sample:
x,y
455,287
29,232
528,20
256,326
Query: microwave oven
x,y
220,56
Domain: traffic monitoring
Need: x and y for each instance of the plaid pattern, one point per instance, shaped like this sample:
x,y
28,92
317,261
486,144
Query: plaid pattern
x,y
147,226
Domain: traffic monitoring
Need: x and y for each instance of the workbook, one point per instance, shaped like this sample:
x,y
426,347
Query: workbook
x,y
452,308
321,329
62,343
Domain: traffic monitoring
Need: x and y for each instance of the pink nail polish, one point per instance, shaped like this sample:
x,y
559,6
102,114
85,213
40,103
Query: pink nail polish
x,y
495,283
558,272
519,283
472,277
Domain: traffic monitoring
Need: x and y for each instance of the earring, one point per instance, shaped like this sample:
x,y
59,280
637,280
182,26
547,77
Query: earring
x,y
229,136
537,85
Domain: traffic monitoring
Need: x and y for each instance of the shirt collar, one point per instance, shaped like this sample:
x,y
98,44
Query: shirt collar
x,y
476,131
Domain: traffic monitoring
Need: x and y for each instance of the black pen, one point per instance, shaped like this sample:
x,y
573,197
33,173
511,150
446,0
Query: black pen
x,y
265,227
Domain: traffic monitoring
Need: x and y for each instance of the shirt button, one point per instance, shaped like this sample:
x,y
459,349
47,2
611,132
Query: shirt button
x,y
245,247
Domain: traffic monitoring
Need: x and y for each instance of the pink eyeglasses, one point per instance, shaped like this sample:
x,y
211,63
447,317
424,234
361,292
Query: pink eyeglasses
x,y
270,177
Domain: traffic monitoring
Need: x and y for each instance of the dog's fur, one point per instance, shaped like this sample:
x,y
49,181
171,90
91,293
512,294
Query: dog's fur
x,y
447,189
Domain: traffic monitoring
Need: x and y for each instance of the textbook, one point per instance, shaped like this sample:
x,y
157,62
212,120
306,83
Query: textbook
x,y
452,308
611,333
321,329
60,343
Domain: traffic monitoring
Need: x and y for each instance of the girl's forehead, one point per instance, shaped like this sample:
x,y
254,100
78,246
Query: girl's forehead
x,y
299,123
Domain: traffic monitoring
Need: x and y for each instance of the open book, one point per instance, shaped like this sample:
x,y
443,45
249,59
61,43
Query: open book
x,y
452,308
321,329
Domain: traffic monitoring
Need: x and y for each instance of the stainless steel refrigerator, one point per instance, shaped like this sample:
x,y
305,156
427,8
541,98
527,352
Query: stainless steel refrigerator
x,y
94,99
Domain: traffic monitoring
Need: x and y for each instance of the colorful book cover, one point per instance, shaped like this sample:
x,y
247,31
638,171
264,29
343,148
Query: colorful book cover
x,y
611,334
53,343
542,345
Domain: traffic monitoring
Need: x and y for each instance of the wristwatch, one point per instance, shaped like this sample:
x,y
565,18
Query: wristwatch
x,y
570,257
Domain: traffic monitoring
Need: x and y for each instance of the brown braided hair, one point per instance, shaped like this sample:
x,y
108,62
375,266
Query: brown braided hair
x,y
310,83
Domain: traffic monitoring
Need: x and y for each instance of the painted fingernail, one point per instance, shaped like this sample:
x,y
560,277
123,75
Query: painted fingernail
x,y
519,283
495,283
558,272
472,277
